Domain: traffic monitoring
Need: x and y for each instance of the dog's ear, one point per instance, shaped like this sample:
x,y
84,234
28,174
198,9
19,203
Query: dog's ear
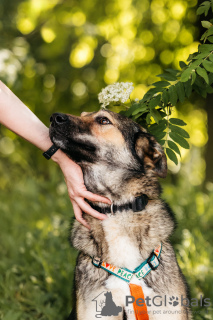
x,y
151,154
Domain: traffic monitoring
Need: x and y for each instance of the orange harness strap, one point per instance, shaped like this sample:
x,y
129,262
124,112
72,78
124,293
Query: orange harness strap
x,y
140,311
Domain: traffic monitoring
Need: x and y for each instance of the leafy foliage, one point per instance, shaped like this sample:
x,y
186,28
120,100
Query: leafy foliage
x,y
154,110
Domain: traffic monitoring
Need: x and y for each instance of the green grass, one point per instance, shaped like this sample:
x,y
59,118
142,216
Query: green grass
x,y
37,262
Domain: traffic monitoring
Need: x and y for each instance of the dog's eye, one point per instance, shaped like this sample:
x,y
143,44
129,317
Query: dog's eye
x,y
104,120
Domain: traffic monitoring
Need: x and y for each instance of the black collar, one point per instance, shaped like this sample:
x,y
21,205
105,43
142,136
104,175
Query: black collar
x,y
138,204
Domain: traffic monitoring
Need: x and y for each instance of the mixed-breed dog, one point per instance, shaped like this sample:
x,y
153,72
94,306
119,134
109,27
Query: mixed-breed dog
x,y
126,268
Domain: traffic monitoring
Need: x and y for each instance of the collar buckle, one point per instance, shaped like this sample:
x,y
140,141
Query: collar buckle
x,y
97,262
149,261
112,209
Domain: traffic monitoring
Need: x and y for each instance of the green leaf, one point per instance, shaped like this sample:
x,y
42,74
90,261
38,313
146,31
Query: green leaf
x,y
182,64
138,115
156,101
180,140
201,55
207,10
172,156
162,124
157,128
188,88
199,89
162,113
196,63
210,78
208,65
205,48
204,36
173,95
156,115
162,142
129,112
180,91
200,10
148,118
210,39
177,122
173,146
211,57
206,6
160,135
206,24
202,72
149,94
161,84
192,56
167,76
185,76
179,130
142,108
210,32
165,97
209,90
172,71
200,83
193,77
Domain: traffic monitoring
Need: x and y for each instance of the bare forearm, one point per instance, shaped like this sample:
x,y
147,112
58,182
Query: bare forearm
x,y
20,119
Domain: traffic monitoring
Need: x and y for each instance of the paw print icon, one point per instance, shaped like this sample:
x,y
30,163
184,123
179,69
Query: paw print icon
x,y
174,301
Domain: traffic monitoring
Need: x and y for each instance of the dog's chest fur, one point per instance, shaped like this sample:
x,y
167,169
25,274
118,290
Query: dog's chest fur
x,y
124,240
122,249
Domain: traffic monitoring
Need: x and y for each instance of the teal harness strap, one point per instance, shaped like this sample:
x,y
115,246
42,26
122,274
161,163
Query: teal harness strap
x,y
121,273
140,272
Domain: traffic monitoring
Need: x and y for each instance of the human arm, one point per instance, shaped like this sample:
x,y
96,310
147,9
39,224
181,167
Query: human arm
x,y
17,117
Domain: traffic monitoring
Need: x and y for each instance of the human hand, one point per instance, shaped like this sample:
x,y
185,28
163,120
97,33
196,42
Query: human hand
x,y
76,189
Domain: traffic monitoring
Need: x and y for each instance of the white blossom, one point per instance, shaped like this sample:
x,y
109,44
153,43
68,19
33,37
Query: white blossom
x,y
119,91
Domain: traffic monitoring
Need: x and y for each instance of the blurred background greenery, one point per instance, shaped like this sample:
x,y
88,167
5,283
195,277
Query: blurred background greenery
x,y
57,55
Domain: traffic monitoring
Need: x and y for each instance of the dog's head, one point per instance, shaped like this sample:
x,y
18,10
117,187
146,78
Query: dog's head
x,y
105,137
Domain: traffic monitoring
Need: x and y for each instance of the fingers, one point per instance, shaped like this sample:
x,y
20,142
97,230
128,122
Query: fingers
x,y
78,215
94,197
87,209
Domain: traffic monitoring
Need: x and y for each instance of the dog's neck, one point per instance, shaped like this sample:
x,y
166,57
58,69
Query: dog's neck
x,y
120,185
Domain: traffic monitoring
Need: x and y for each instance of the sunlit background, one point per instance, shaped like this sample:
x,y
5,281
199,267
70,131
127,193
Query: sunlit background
x,y
57,56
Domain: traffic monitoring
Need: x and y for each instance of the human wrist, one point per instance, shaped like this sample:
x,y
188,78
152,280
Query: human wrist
x,y
58,156
64,161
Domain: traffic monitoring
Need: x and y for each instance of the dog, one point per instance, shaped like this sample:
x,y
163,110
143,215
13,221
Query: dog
x,y
122,161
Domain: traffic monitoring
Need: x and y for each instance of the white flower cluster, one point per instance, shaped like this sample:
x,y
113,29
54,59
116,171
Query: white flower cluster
x,y
119,91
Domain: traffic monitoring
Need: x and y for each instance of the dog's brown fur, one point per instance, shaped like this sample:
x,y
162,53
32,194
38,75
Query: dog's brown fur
x,y
120,160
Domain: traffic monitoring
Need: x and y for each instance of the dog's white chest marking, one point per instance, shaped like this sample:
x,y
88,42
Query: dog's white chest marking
x,y
123,252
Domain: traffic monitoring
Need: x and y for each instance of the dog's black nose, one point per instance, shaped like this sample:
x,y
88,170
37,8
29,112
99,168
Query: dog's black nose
x,y
58,118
